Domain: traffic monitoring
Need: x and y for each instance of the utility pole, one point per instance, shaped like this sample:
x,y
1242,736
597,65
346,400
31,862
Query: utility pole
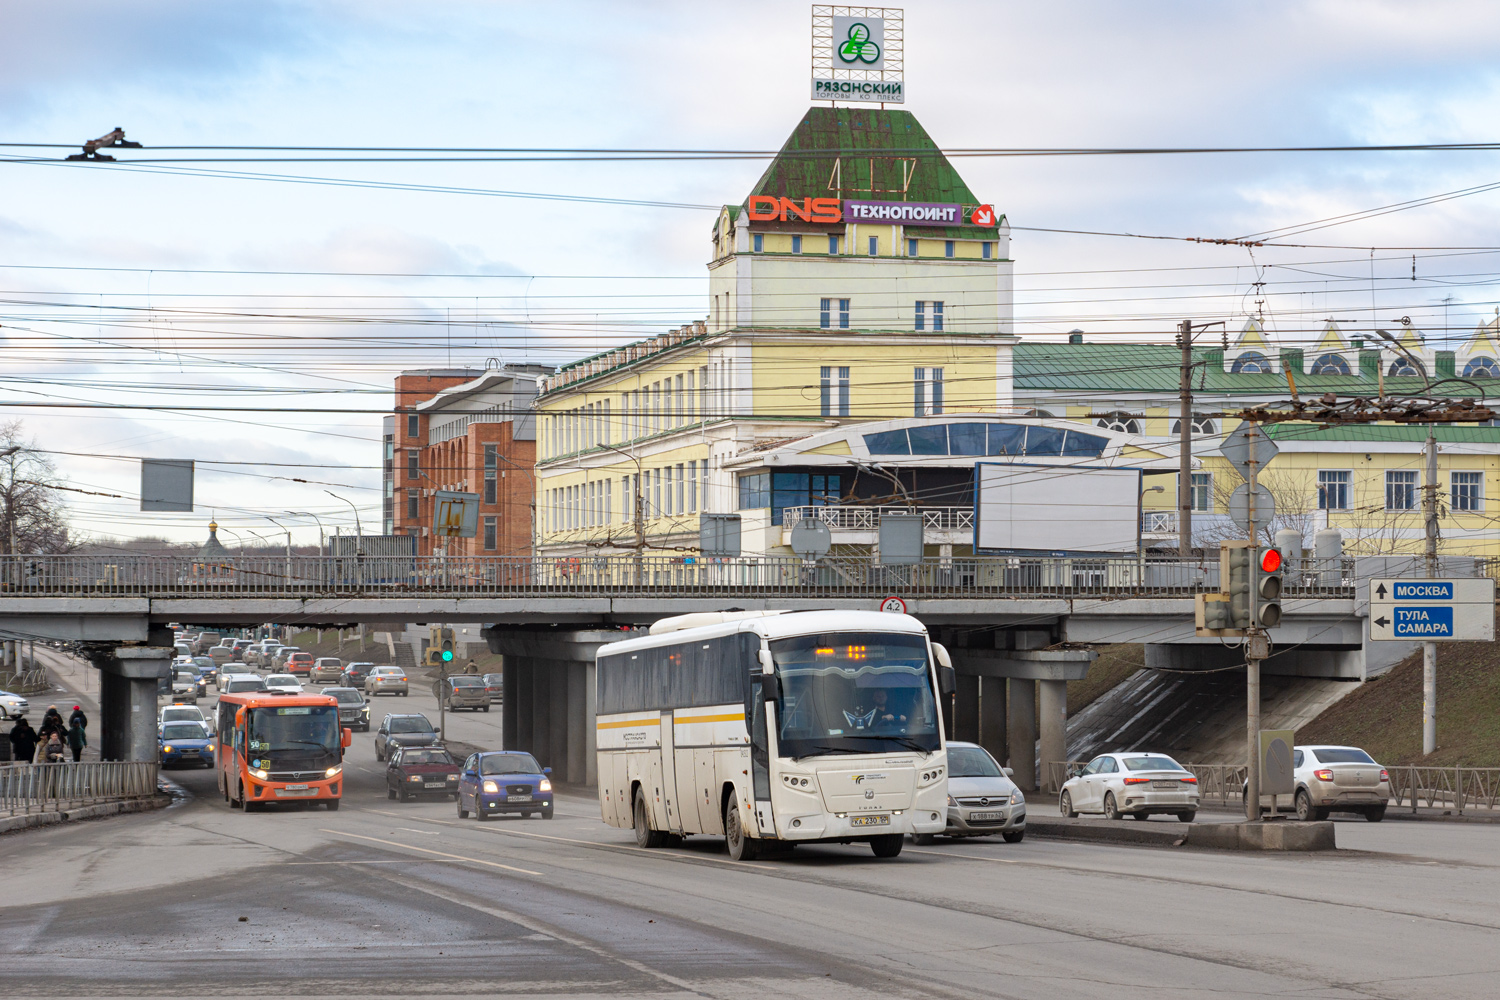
x,y
1185,444
1257,647
1429,649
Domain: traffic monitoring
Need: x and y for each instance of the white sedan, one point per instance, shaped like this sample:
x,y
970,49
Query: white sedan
x,y
181,713
1336,779
12,705
283,682
1131,784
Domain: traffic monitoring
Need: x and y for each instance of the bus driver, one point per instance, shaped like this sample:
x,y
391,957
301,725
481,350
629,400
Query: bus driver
x,y
880,715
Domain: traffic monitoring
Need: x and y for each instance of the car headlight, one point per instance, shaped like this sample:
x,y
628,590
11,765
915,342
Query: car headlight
x,y
545,786
257,773
951,802
452,777
335,769
209,747
490,786
415,777
170,749
1017,799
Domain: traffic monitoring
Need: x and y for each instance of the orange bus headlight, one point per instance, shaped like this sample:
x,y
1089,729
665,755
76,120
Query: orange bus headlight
x,y
335,769
262,775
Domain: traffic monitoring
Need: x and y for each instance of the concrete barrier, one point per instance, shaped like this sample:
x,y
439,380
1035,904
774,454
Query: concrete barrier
x,y
1264,836
30,821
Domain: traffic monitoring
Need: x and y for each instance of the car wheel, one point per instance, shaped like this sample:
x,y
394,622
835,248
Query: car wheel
x,y
1303,806
486,709
1186,817
402,796
1014,836
741,847
1111,808
480,814
645,836
547,813
378,755
462,812
333,805
390,793
1137,816
1375,814
1065,806
923,839
887,845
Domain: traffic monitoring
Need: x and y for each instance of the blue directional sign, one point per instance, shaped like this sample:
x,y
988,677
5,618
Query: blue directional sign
x,y
1432,610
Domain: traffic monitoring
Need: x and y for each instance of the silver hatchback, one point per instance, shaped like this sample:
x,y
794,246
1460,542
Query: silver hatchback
x,y
982,800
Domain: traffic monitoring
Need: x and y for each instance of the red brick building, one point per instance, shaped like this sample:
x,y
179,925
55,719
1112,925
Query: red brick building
x,y
470,431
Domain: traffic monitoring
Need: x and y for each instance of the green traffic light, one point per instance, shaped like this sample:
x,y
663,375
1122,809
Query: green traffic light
x,y
447,655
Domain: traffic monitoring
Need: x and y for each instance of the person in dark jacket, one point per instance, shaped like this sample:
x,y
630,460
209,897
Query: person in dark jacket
x,y
22,741
78,724
52,722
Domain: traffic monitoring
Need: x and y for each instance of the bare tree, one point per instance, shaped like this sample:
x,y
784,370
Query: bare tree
x,y
1296,500
33,516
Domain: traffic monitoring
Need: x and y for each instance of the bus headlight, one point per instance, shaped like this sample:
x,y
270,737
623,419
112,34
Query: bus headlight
x,y
335,769
257,773
490,786
545,786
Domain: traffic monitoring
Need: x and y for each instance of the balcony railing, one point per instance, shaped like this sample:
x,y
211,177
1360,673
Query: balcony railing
x,y
1158,522
852,517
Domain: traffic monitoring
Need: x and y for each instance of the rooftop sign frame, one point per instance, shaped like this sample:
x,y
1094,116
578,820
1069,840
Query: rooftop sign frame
x,y
858,54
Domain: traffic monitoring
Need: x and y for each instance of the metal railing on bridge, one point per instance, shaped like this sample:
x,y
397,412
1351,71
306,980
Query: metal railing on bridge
x,y
28,788
628,574
852,517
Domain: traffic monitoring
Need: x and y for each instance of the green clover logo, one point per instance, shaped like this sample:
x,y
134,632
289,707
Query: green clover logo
x,y
858,47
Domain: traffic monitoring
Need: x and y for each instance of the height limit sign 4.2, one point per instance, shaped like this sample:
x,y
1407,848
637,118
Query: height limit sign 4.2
x,y
1451,610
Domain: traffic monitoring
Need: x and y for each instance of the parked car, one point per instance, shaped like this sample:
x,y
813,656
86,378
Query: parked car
x,y
495,685
354,711
12,705
185,744
354,675
298,663
417,771
466,691
1131,784
283,682
403,731
504,781
221,654
982,800
181,713
1333,779
278,659
326,669
386,680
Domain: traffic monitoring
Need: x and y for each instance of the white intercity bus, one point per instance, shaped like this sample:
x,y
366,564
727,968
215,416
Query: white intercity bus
x,y
775,728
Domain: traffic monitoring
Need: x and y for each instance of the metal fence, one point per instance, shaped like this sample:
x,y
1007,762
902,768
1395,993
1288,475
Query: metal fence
x,y
848,517
29,788
628,575
26,682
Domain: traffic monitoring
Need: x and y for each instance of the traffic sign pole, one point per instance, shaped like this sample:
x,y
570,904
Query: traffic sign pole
x,y
1255,646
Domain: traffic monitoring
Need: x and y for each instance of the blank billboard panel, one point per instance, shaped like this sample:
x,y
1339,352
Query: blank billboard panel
x,y
166,484
1051,509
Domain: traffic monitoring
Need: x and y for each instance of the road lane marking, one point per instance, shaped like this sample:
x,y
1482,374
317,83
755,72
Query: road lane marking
x,y
424,850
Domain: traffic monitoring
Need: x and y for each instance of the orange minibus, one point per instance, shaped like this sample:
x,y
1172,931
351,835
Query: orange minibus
x,y
276,747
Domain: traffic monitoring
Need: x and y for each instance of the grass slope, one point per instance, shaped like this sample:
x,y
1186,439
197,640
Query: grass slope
x,y
1384,716
1115,663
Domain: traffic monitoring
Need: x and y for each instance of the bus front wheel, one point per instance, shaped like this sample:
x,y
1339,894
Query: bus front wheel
x,y
741,846
644,835
333,805
886,846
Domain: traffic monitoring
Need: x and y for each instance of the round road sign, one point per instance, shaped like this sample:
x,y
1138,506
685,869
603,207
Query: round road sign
x,y
894,605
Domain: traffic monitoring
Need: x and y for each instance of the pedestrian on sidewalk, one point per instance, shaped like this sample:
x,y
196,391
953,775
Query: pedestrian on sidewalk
x,y
78,738
52,722
471,667
53,751
22,741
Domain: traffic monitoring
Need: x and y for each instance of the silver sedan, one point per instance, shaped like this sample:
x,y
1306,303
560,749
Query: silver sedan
x,y
386,680
982,800
1131,784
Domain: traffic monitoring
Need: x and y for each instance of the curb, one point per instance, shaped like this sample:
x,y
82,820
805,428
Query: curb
x,y
31,821
1439,817
1109,831
1274,836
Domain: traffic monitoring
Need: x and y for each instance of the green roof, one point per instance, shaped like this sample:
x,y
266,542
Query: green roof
x,y
1157,367
1387,433
866,154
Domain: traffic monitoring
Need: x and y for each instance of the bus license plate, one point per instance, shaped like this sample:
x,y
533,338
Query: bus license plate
x,y
518,798
869,821
295,788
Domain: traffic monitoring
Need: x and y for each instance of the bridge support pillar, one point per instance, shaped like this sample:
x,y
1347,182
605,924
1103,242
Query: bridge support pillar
x,y
992,717
1052,702
1022,724
966,709
127,701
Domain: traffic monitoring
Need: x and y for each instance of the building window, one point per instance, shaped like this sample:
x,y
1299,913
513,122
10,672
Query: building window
x,y
1250,363
759,242
1333,490
1468,490
833,392
988,250
1400,491
948,249
937,315
874,245
489,534
413,464
703,393
796,244
1201,493
833,244
491,472
1330,364
412,499
921,320
1201,425
755,490
413,425
927,392
911,248
825,318
1406,366
843,314
679,499
1122,422
1482,367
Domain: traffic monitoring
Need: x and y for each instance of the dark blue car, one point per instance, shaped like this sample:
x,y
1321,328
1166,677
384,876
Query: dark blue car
x,y
185,744
504,781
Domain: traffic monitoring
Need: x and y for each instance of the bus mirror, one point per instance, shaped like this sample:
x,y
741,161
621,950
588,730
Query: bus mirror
x,y
947,680
941,653
769,688
767,664
239,717
347,739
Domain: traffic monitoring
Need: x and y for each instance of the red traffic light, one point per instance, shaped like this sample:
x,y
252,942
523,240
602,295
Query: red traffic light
x,y
1270,560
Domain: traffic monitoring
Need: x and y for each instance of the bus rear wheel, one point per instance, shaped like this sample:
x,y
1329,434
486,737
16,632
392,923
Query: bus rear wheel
x,y
741,847
644,835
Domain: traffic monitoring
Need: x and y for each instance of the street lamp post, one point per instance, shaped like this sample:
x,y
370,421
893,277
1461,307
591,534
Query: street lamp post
x,y
303,513
268,517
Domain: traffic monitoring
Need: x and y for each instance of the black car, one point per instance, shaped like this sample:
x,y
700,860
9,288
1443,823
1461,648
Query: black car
x,y
355,674
417,771
354,711
399,731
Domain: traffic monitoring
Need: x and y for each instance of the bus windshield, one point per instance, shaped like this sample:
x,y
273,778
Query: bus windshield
x,y
293,736
854,692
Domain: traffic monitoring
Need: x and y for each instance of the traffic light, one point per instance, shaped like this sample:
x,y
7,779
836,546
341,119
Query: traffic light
x,y
1268,586
1237,569
446,648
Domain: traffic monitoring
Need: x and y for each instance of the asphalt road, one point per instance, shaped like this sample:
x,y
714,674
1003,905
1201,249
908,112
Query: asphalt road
x,y
383,898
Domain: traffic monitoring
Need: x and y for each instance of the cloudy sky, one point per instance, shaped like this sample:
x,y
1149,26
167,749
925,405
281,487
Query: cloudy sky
x,y
265,318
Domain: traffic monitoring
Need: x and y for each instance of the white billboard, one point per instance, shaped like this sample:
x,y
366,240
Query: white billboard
x,y
1056,510
858,54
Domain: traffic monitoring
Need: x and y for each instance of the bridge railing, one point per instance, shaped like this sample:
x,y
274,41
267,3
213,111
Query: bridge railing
x,y
27,788
625,574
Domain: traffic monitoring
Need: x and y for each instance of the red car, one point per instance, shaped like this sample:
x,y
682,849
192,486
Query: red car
x,y
417,771
299,663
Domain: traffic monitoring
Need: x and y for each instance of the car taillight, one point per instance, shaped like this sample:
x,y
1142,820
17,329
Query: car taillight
x,y
1137,781
1189,779
1384,775
1324,775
